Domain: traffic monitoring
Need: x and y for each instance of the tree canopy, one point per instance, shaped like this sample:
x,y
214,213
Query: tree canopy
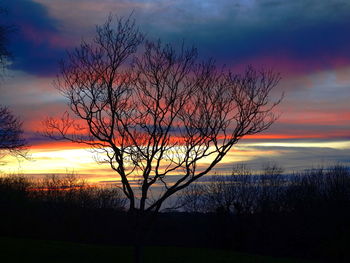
x,y
155,110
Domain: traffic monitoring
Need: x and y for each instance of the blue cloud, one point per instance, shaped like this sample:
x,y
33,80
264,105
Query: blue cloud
x,y
311,30
33,44
232,31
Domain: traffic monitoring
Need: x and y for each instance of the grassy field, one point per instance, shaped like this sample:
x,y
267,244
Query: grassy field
x,y
28,250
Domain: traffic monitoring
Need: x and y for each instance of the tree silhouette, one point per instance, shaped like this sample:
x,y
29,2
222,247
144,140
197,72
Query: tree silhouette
x,y
11,132
155,111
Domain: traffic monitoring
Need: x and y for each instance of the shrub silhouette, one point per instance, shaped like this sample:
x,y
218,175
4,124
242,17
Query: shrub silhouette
x,y
244,192
66,191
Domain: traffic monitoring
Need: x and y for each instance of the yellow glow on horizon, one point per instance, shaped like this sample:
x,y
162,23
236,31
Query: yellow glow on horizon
x,y
81,161
45,161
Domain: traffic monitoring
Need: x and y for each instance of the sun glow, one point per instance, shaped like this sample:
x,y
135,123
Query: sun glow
x,y
44,161
47,159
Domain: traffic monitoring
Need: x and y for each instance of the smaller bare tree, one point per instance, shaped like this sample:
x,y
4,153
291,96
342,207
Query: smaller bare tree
x,y
192,199
271,188
11,134
233,193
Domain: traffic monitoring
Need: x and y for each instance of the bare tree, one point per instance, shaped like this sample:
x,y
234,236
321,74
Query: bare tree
x,y
193,199
11,134
155,111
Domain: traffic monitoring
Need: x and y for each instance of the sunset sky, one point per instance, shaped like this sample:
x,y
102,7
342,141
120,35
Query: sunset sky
x,y
307,41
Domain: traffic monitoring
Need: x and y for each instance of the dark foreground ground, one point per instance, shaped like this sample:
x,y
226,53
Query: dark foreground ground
x,y
316,237
304,219
30,250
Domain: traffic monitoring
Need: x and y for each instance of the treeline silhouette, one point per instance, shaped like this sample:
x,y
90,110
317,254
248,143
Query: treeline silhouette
x,y
304,215
57,191
244,193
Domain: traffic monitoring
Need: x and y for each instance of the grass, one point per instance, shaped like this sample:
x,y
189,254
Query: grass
x,y
28,250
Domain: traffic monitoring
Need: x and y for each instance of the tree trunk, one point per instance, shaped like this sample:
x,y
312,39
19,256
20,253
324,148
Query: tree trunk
x,y
143,226
138,220
138,252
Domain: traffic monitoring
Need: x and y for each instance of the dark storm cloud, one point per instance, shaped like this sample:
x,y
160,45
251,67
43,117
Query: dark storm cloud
x,y
36,45
290,35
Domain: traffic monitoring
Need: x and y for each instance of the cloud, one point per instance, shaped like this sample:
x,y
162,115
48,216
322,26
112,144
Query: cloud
x,y
298,37
304,155
292,36
37,44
